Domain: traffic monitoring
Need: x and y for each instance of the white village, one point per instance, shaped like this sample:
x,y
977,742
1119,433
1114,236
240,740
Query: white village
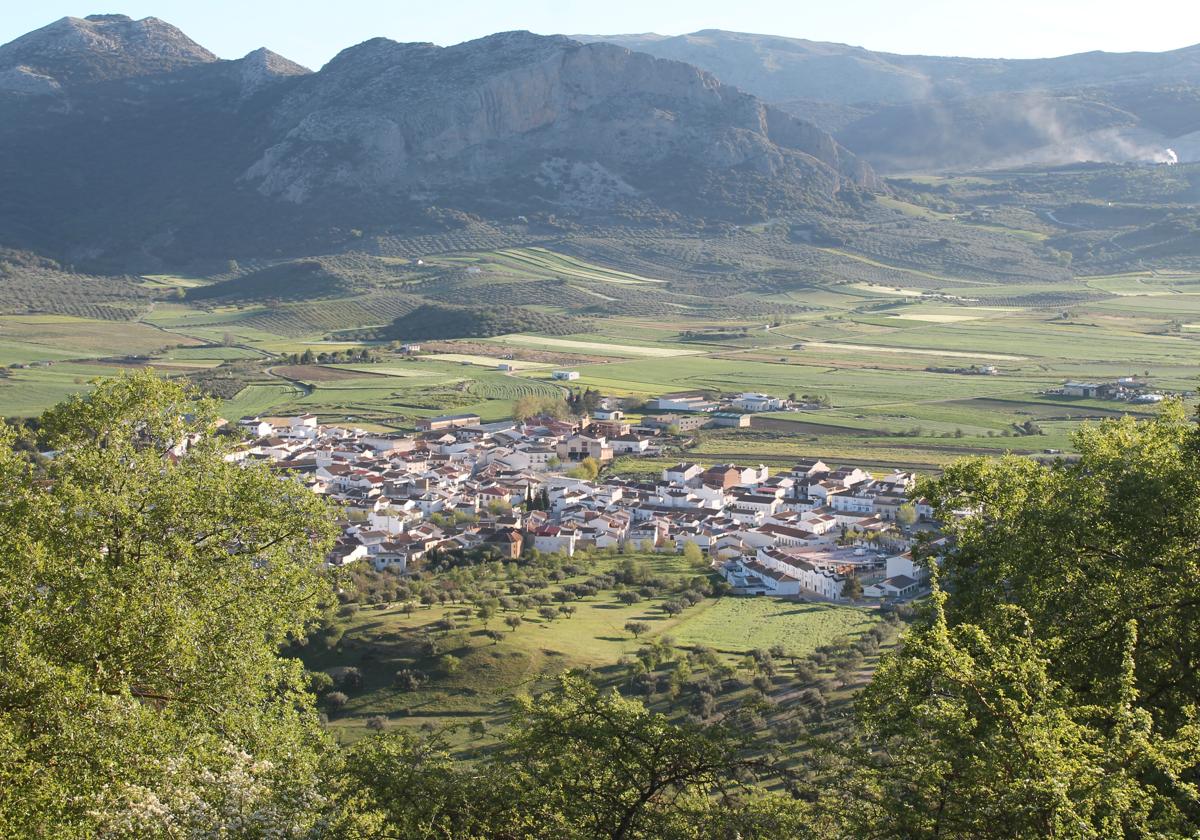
x,y
814,532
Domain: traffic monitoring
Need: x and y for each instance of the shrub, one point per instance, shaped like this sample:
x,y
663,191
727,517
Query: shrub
x,y
351,679
407,679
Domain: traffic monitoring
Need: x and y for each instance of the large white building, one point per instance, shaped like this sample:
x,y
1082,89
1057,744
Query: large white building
x,y
758,402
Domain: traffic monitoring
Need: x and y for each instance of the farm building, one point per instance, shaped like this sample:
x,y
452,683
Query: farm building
x,y
1082,389
758,402
681,422
682,402
447,421
731,419
567,375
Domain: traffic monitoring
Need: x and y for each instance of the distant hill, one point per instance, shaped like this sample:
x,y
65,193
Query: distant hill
x,y
925,112
143,147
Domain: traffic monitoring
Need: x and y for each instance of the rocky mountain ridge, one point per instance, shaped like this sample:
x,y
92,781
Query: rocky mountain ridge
x,y
140,155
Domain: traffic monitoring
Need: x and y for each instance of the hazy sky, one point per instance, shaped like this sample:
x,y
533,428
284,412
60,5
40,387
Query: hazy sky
x,y
312,31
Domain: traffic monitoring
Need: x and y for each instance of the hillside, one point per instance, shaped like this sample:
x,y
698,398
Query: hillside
x,y
908,112
778,68
387,136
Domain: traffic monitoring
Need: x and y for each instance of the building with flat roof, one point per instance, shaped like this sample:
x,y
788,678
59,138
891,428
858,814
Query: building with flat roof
x,y
447,421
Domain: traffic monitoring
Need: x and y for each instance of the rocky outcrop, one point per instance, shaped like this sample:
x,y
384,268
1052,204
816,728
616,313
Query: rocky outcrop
x,y
384,115
262,67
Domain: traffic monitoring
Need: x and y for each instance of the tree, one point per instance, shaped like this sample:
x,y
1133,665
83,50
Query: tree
x,y
620,771
1083,548
988,743
906,515
407,679
535,405
575,763
485,612
693,554
449,664
147,588
319,682
513,621
587,469
548,613
637,628
852,588
350,679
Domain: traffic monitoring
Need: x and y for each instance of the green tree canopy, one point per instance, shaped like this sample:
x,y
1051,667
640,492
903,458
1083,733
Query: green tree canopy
x,y
965,733
576,763
147,585
1085,547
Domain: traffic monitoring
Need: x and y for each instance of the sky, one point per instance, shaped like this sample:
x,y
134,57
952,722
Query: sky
x,y
313,31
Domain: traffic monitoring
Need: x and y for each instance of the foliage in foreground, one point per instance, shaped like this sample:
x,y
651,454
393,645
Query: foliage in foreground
x,y
146,592
143,599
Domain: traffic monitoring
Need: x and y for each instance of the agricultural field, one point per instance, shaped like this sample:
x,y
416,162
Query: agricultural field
x,y
541,262
491,362
885,339
594,345
762,622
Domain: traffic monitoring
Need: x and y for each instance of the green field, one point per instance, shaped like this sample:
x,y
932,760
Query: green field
x,y
877,340
737,625
540,262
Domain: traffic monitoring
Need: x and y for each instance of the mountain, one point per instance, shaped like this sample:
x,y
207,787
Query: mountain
x,y
147,148
778,69
74,51
905,112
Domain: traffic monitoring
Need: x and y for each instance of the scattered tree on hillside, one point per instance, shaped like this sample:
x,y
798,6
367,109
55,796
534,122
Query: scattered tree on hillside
x,y
637,628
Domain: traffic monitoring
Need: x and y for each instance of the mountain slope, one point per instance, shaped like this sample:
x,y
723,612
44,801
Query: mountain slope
x,y
263,157
778,69
926,112
589,123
